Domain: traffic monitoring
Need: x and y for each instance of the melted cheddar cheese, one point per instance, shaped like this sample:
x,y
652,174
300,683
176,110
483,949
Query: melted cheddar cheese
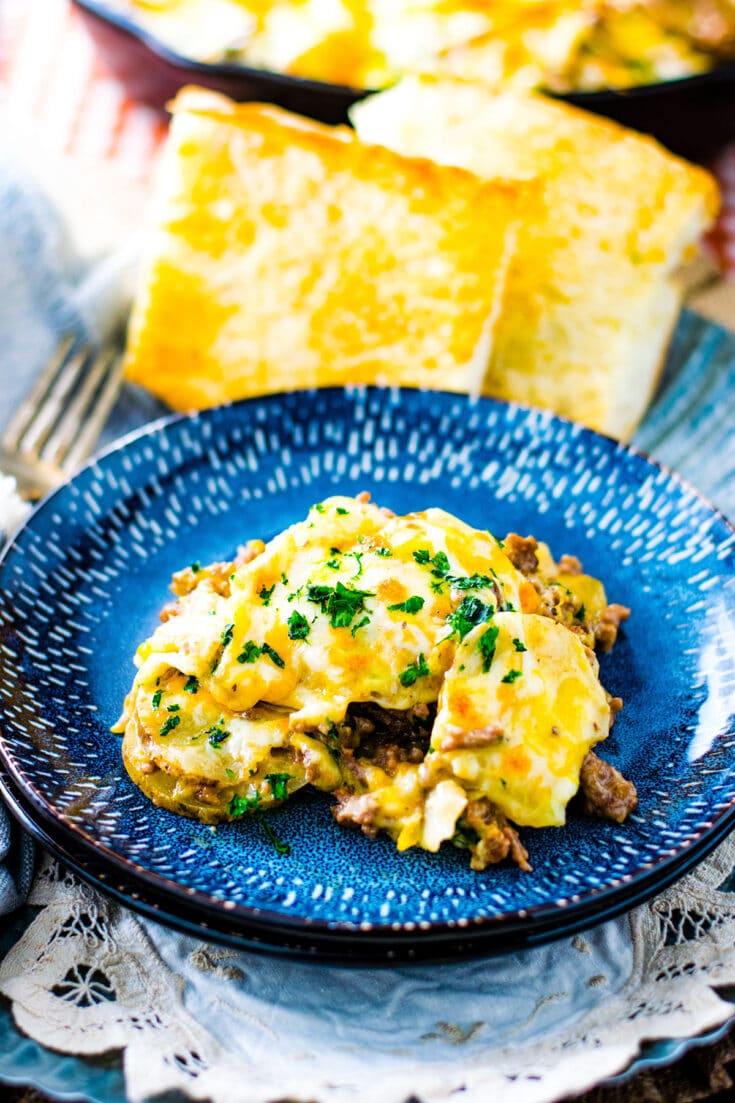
x,y
285,670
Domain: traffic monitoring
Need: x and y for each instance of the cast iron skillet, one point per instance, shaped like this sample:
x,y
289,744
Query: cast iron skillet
x,y
692,116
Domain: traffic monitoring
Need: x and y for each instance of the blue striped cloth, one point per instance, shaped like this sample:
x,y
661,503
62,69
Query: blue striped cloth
x,y
45,293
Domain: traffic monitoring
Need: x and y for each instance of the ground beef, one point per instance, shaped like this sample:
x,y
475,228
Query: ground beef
x,y
216,574
605,791
387,737
521,550
569,564
356,812
496,839
606,632
458,739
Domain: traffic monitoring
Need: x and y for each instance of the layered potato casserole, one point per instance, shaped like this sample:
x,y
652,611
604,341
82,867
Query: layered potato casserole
x,y
441,684
560,45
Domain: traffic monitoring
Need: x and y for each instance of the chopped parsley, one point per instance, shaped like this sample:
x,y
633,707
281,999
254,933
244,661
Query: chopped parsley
x,y
274,657
298,626
191,685
357,556
581,615
156,698
486,646
342,511
284,580
341,603
360,624
195,567
332,732
386,552
227,634
512,676
439,562
519,644
169,724
173,708
333,564
417,669
283,849
410,605
266,593
277,783
249,653
319,507
469,613
469,581
238,806
229,772
509,607
217,734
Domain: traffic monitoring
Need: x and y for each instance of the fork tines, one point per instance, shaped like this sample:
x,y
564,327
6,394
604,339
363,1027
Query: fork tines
x,y
62,417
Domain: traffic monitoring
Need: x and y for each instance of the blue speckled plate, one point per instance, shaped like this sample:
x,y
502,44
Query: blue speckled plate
x,y
82,584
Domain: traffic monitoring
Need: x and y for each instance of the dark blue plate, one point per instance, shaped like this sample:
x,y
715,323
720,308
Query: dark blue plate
x,y
83,581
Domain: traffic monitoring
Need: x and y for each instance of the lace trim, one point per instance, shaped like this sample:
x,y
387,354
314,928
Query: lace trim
x,y
87,977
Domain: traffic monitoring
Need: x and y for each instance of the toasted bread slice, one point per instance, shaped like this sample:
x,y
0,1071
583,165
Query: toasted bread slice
x,y
592,295
288,254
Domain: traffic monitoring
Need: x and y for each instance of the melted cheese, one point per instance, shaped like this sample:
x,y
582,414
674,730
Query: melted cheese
x,y
515,723
240,697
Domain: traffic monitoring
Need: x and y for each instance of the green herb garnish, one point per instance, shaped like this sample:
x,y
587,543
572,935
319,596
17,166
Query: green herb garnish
x,y
196,567
386,552
581,615
266,593
469,613
417,669
410,605
156,698
217,734
486,646
227,634
469,581
519,644
191,685
249,653
341,603
298,626
281,848
277,783
274,657
360,624
512,676
357,556
173,708
342,511
169,724
238,806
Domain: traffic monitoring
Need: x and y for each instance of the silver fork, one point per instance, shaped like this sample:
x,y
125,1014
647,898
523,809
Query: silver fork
x,y
59,423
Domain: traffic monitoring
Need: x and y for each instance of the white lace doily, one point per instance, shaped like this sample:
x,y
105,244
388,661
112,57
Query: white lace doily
x,y
88,977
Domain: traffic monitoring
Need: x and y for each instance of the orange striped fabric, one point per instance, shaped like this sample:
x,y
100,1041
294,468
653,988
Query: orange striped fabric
x,y
49,70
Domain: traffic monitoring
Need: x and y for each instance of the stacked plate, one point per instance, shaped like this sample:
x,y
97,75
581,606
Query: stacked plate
x,y
82,583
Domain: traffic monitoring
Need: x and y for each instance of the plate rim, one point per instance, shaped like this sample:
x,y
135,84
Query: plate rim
x,y
523,921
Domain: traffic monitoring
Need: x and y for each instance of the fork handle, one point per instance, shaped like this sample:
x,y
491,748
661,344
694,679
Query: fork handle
x,y
34,478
